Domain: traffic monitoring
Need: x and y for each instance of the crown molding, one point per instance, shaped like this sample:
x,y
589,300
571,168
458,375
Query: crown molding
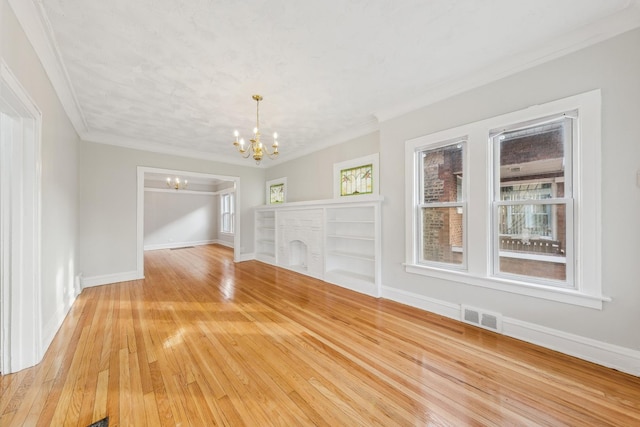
x,y
366,127
154,147
588,35
37,27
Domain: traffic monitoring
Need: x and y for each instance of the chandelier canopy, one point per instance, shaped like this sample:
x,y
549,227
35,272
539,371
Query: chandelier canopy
x,y
256,149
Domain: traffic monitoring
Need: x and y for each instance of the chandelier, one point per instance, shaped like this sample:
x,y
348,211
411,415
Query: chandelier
x,y
255,148
176,184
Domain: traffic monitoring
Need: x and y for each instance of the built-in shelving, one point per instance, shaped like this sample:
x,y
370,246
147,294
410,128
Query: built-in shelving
x,y
349,250
265,236
351,246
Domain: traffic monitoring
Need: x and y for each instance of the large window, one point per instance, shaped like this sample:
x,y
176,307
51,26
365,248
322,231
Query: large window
x,y
532,200
512,205
227,213
441,204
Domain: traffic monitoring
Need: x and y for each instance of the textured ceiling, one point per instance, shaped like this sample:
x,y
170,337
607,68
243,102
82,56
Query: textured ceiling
x,y
174,75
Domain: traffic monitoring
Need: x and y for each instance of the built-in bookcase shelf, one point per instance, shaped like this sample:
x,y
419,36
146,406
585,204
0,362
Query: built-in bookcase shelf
x,y
265,234
349,246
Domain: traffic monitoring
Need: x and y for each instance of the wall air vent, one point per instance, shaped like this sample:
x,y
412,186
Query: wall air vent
x,y
482,318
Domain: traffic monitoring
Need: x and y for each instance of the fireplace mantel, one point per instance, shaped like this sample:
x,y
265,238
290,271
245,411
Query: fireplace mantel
x,y
336,240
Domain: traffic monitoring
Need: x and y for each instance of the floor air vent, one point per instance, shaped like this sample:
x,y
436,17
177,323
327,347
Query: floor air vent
x,y
482,318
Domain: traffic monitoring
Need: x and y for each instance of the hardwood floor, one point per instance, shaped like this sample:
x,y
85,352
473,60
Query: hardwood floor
x,y
203,341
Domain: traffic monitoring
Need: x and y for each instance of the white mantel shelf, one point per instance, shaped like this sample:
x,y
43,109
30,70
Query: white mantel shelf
x,y
335,240
315,203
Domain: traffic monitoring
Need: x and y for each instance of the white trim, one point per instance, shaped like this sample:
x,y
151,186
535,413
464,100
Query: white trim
x,y
422,302
107,279
51,329
22,194
246,257
605,354
372,159
568,296
175,245
141,171
533,256
268,185
586,193
157,147
174,191
37,27
223,243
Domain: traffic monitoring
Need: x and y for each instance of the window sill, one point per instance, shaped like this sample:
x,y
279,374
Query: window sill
x,y
224,233
567,296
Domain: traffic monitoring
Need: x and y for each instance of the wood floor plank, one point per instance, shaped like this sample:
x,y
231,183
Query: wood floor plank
x,y
205,341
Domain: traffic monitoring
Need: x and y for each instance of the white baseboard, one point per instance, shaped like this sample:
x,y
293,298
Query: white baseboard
x,y
174,245
432,305
51,328
224,243
605,354
88,282
247,257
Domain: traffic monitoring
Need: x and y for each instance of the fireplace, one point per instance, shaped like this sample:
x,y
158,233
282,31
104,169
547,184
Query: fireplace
x,y
300,241
298,254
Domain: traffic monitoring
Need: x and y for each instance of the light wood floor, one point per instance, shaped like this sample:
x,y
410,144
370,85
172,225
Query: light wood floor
x,y
204,342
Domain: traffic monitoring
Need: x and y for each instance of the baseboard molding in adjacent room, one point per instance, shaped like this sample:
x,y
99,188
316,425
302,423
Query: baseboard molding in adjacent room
x,y
612,356
88,282
224,243
174,245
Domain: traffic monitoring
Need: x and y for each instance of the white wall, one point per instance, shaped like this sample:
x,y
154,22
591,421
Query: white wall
x,y
311,177
59,176
107,208
613,66
174,219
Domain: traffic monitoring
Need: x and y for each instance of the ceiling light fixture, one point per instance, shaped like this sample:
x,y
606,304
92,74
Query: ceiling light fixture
x,y
256,148
176,184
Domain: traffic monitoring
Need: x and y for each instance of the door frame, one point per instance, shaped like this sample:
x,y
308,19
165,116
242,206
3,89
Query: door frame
x,y
20,226
142,170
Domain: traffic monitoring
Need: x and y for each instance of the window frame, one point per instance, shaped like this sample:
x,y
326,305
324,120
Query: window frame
x,y
570,120
419,203
230,213
586,177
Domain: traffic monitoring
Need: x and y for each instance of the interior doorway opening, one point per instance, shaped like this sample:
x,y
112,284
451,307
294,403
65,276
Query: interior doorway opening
x,y
198,183
20,229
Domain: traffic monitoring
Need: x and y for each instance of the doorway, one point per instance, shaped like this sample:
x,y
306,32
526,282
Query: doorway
x,y
147,173
20,233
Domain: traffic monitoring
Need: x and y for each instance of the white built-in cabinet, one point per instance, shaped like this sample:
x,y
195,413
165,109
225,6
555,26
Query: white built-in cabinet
x,y
335,240
265,245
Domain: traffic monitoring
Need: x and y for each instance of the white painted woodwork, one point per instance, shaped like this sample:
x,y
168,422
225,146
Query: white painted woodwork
x,y
336,240
20,225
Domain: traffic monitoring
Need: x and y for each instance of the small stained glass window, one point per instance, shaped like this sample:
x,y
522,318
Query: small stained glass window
x,y
276,193
358,180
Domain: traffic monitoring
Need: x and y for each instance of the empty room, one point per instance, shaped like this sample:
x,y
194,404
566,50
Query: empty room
x,y
336,213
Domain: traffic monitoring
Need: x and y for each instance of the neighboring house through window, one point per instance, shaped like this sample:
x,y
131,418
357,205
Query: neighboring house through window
x,y
511,202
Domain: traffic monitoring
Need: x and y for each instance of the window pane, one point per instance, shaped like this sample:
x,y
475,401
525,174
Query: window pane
x,y
442,235
442,174
533,164
534,154
533,240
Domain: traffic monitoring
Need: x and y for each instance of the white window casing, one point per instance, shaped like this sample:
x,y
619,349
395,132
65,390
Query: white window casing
x,y
584,207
